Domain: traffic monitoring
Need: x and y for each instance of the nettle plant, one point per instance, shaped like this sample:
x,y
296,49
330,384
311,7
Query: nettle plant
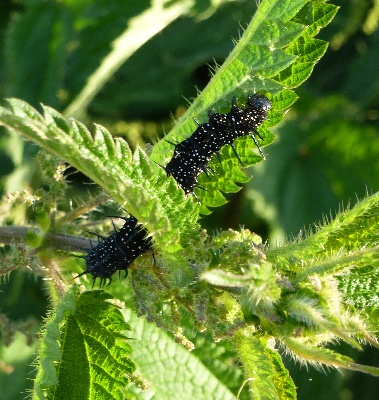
x,y
254,302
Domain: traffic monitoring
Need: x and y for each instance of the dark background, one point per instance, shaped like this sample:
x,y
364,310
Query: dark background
x,y
325,157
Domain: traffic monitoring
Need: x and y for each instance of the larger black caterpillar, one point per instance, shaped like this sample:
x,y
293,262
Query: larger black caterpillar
x,y
117,252
191,157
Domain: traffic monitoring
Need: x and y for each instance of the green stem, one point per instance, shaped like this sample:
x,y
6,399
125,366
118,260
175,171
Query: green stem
x,y
140,30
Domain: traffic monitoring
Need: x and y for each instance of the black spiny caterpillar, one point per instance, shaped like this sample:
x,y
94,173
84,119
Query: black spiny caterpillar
x,y
191,156
118,251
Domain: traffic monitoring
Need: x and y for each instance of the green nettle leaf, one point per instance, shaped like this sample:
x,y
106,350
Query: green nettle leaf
x,y
361,287
171,371
131,179
84,353
276,52
304,297
267,376
351,233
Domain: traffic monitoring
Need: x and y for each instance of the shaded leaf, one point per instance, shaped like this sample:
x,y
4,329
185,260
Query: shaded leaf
x,y
172,371
83,352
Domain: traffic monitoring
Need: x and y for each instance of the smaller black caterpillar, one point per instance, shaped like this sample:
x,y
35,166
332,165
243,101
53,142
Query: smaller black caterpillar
x,y
191,157
117,252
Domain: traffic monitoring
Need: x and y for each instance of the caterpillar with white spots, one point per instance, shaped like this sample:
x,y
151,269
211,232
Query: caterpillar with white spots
x,y
191,157
117,252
